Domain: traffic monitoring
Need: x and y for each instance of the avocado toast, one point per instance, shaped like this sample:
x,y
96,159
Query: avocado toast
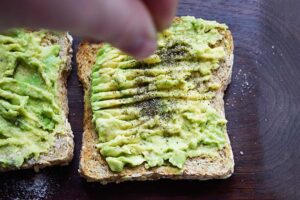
x,y
162,117
34,129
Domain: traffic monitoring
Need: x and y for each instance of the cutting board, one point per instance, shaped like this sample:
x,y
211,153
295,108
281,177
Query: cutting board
x,y
262,107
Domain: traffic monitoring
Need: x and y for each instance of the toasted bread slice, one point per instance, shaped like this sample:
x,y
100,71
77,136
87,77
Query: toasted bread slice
x,y
93,166
61,153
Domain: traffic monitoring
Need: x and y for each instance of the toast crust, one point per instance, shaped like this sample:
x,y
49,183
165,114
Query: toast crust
x,y
94,168
61,153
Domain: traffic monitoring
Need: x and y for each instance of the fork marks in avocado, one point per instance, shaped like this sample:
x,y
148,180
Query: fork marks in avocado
x,y
157,111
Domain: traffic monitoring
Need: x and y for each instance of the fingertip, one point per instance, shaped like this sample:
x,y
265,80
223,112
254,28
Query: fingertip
x,y
140,48
136,33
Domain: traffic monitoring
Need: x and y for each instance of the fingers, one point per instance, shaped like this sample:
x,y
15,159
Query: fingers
x,y
162,12
127,24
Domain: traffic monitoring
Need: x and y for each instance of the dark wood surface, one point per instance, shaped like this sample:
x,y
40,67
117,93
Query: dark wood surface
x,y
262,107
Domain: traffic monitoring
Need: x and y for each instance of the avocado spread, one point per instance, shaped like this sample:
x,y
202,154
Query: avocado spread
x,y
157,111
29,109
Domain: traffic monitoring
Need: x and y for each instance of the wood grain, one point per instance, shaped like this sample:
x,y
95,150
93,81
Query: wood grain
x,y
262,106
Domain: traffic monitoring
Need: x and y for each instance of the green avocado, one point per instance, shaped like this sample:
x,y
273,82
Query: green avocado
x,y
29,109
157,111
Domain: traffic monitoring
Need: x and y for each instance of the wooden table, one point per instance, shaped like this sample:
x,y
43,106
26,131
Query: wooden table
x,y
262,106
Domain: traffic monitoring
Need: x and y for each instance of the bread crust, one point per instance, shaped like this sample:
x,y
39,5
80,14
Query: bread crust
x,y
61,153
94,168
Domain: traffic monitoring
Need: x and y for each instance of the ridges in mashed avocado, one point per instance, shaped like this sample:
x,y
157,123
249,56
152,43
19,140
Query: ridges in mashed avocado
x,y
157,111
29,112
180,129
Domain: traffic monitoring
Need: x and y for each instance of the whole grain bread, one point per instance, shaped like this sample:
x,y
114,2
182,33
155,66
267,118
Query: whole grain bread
x,y
61,153
93,167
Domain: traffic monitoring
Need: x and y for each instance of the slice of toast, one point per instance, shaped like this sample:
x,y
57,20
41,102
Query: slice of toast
x,y
93,166
61,153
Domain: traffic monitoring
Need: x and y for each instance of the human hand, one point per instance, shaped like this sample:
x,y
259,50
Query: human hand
x,y
130,25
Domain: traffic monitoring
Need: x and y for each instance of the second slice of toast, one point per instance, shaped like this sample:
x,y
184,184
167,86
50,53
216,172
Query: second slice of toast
x,y
61,151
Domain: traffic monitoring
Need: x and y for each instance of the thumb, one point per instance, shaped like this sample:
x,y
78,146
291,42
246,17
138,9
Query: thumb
x,y
126,24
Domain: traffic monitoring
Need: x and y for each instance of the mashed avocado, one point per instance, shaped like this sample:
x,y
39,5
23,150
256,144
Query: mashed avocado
x,y
29,110
157,111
